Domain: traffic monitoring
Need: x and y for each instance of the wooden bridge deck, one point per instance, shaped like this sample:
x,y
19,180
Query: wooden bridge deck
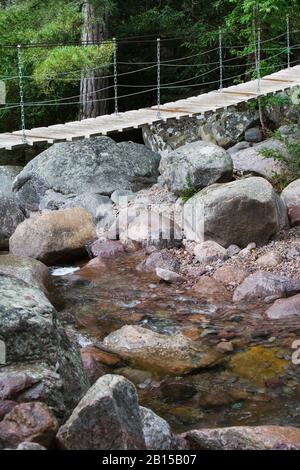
x,y
109,124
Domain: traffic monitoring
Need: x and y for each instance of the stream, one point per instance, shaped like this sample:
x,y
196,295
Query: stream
x,y
257,383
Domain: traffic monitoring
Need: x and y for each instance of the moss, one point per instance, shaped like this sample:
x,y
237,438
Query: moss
x,y
258,364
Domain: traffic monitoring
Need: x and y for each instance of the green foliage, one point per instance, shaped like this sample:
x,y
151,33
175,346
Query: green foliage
x,y
189,191
291,159
71,61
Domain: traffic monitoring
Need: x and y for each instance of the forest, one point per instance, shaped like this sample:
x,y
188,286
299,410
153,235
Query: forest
x,y
67,52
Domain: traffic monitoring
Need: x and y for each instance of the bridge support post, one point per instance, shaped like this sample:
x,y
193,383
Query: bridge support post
x,y
21,90
288,41
221,58
115,76
158,78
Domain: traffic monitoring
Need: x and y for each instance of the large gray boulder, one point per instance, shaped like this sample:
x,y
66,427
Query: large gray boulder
x,y
95,166
253,159
37,345
55,236
107,418
195,165
11,214
244,211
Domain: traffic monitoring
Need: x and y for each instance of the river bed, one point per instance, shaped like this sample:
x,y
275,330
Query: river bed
x,y
256,384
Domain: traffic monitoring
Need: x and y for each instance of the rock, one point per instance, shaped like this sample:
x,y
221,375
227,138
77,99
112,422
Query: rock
x,y
264,285
95,204
245,438
210,289
31,422
254,135
29,270
231,275
5,407
290,133
177,390
252,160
221,128
286,109
148,350
157,432
269,260
97,166
283,308
232,250
291,197
224,347
107,418
237,213
105,249
92,367
11,216
195,165
11,384
162,259
239,146
207,252
30,446
168,276
104,357
7,175
122,197
41,362
150,227
53,237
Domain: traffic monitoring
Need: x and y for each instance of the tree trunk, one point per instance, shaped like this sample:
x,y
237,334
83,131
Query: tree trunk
x,y
93,31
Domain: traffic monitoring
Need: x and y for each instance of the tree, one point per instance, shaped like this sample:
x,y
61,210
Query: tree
x,y
93,89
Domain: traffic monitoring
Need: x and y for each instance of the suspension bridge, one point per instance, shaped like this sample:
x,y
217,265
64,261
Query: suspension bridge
x,y
288,77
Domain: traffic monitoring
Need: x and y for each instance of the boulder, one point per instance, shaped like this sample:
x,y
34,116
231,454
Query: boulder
x,y
162,259
269,260
93,203
7,175
157,432
245,438
145,349
53,237
97,166
291,197
37,346
105,248
231,275
107,418
31,422
29,270
153,228
93,368
283,308
210,289
254,135
264,285
30,446
195,165
290,133
252,160
5,407
207,252
168,276
240,212
11,216
285,108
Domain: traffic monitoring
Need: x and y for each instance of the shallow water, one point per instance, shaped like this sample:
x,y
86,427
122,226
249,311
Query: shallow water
x,y
257,384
